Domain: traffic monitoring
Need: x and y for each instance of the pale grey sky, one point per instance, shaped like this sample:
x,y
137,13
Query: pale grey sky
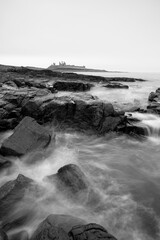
x,y
110,34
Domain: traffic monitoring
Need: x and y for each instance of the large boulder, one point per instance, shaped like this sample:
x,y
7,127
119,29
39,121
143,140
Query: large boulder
x,y
56,227
90,231
72,86
27,136
72,181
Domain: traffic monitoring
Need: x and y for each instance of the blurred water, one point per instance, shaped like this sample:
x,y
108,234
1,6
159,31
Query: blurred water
x,y
137,94
123,172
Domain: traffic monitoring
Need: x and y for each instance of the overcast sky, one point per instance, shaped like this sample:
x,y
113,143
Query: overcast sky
x,y
110,34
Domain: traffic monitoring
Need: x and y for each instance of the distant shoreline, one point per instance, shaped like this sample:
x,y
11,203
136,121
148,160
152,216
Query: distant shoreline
x,y
65,69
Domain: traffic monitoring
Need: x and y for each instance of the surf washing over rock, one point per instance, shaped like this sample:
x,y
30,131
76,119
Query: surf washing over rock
x,y
78,159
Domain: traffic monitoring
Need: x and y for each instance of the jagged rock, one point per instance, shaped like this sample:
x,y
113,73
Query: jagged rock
x,y
72,86
90,231
56,225
22,235
116,85
12,192
79,111
27,136
3,235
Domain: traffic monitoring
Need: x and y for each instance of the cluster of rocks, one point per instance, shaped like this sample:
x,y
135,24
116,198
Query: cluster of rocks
x,y
33,93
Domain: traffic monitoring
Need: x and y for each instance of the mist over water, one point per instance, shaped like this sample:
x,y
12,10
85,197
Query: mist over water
x,y
124,173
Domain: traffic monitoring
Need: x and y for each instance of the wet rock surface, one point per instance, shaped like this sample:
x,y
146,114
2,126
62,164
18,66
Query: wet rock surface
x,y
27,136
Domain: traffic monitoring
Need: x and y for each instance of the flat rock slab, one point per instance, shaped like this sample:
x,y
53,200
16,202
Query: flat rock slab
x,y
27,136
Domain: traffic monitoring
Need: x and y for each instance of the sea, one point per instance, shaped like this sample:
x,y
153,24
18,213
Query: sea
x,y
123,171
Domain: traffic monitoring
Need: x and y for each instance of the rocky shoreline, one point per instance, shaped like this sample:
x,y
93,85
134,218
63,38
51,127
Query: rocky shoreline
x,y
31,105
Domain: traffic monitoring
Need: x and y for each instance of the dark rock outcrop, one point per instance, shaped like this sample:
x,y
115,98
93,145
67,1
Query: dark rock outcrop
x,y
73,86
80,111
136,131
31,95
56,227
116,85
27,136
90,231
